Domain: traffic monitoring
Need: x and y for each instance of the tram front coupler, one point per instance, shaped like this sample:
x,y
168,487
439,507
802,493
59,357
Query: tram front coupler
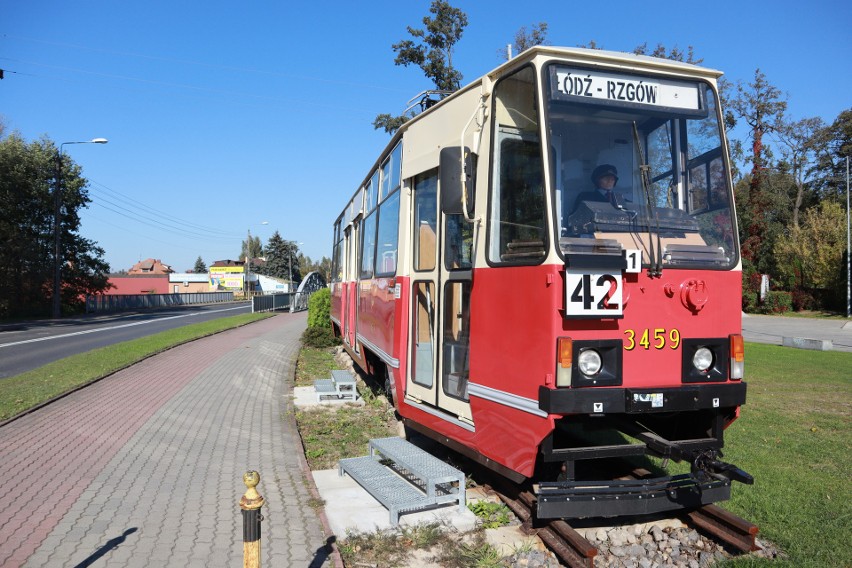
x,y
707,463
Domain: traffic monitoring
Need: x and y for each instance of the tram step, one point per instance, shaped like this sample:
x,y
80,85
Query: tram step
x,y
443,483
341,386
397,494
405,478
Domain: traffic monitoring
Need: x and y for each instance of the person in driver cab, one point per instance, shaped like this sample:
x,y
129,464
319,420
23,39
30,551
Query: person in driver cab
x,y
604,177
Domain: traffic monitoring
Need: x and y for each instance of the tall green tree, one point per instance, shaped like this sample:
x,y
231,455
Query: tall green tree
x,y
282,259
252,247
431,49
27,181
836,140
761,106
801,144
200,267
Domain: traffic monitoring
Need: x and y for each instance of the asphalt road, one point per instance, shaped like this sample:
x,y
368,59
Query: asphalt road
x,y
28,345
773,330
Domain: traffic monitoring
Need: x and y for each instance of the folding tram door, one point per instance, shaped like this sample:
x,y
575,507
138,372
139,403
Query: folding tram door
x,y
440,318
351,277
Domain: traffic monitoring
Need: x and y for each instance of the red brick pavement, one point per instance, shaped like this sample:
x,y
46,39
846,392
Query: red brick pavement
x,y
49,457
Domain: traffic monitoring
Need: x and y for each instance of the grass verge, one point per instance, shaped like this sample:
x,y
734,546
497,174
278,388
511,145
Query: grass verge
x,y
24,391
794,437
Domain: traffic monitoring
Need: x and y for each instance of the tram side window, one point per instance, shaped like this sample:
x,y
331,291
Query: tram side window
x,y
368,245
456,339
517,229
371,192
425,220
388,237
459,248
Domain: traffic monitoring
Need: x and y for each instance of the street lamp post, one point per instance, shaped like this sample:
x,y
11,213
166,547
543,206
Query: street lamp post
x,y
248,259
290,263
57,218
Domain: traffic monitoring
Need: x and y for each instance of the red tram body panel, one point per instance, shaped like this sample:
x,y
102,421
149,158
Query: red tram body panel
x,y
544,268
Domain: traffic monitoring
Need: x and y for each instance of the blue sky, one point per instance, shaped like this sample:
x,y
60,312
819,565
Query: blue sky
x,y
223,115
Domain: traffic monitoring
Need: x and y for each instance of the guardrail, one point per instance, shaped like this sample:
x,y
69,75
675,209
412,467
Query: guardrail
x,y
292,301
119,302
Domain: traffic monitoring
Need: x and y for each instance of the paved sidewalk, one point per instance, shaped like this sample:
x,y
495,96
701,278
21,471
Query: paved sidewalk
x,y
144,468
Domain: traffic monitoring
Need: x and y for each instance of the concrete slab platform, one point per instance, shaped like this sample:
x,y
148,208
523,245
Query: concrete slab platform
x,y
349,508
807,343
306,397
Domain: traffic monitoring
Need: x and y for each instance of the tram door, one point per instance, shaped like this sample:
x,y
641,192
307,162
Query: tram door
x,y
433,377
350,301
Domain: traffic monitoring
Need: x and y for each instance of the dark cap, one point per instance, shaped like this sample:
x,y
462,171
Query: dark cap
x,y
604,170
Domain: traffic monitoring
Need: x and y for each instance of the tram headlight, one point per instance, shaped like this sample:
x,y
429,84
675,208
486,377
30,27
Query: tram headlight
x,y
589,362
703,359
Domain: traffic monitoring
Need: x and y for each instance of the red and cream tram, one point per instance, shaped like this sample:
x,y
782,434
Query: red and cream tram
x,y
537,323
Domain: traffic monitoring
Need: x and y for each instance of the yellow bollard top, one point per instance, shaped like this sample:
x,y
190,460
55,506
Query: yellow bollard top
x,y
252,499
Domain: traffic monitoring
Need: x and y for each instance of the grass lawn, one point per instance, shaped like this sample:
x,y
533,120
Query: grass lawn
x,y
32,388
794,437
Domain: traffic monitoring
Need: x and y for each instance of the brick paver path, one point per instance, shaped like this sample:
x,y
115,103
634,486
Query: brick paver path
x,y
145,467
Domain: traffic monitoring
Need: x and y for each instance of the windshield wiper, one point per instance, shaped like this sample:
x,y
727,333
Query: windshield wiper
x,y
656,261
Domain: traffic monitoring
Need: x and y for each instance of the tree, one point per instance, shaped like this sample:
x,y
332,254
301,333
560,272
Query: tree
x,y
761,106
281,259
200,267
306,265
801,143
525,39
675,54
27,177
836,141
432,50
809,257
251,247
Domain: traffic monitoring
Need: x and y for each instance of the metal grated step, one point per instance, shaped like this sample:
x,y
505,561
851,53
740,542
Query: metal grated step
x,y
443,482
391,490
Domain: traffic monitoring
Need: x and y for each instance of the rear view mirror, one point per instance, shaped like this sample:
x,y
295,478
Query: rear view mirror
x,y
458,180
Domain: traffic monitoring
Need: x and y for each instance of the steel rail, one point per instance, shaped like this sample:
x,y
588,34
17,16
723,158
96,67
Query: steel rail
x,y
724,526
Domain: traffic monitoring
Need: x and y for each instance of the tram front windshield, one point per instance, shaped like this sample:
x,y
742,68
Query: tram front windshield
x,y
633,127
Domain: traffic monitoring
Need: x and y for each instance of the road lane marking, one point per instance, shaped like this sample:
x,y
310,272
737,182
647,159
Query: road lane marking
x,y
132,324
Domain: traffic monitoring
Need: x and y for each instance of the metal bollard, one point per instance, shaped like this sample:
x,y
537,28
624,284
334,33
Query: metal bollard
x,y
251,503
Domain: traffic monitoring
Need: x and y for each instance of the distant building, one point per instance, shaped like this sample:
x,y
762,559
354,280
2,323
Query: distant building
x,y
138,284
188,282
150,266
230,275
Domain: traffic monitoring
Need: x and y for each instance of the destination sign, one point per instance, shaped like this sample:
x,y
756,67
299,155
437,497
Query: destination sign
x,y
598,86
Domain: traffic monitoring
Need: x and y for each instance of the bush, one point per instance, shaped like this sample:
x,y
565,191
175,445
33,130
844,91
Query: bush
x,y
319,337
749,302
319,309
777,303
804,300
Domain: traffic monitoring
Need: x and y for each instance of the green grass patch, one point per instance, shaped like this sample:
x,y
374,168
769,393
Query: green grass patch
x,y
794,437
35,387
314,363
332,433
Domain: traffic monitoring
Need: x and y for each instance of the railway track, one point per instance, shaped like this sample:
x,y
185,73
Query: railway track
x,y
575,551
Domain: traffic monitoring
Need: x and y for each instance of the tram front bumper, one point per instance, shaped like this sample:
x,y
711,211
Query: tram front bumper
x,y
640,401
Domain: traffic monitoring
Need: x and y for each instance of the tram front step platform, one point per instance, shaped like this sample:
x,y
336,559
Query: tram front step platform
x,y
341,386
413,479
397,494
